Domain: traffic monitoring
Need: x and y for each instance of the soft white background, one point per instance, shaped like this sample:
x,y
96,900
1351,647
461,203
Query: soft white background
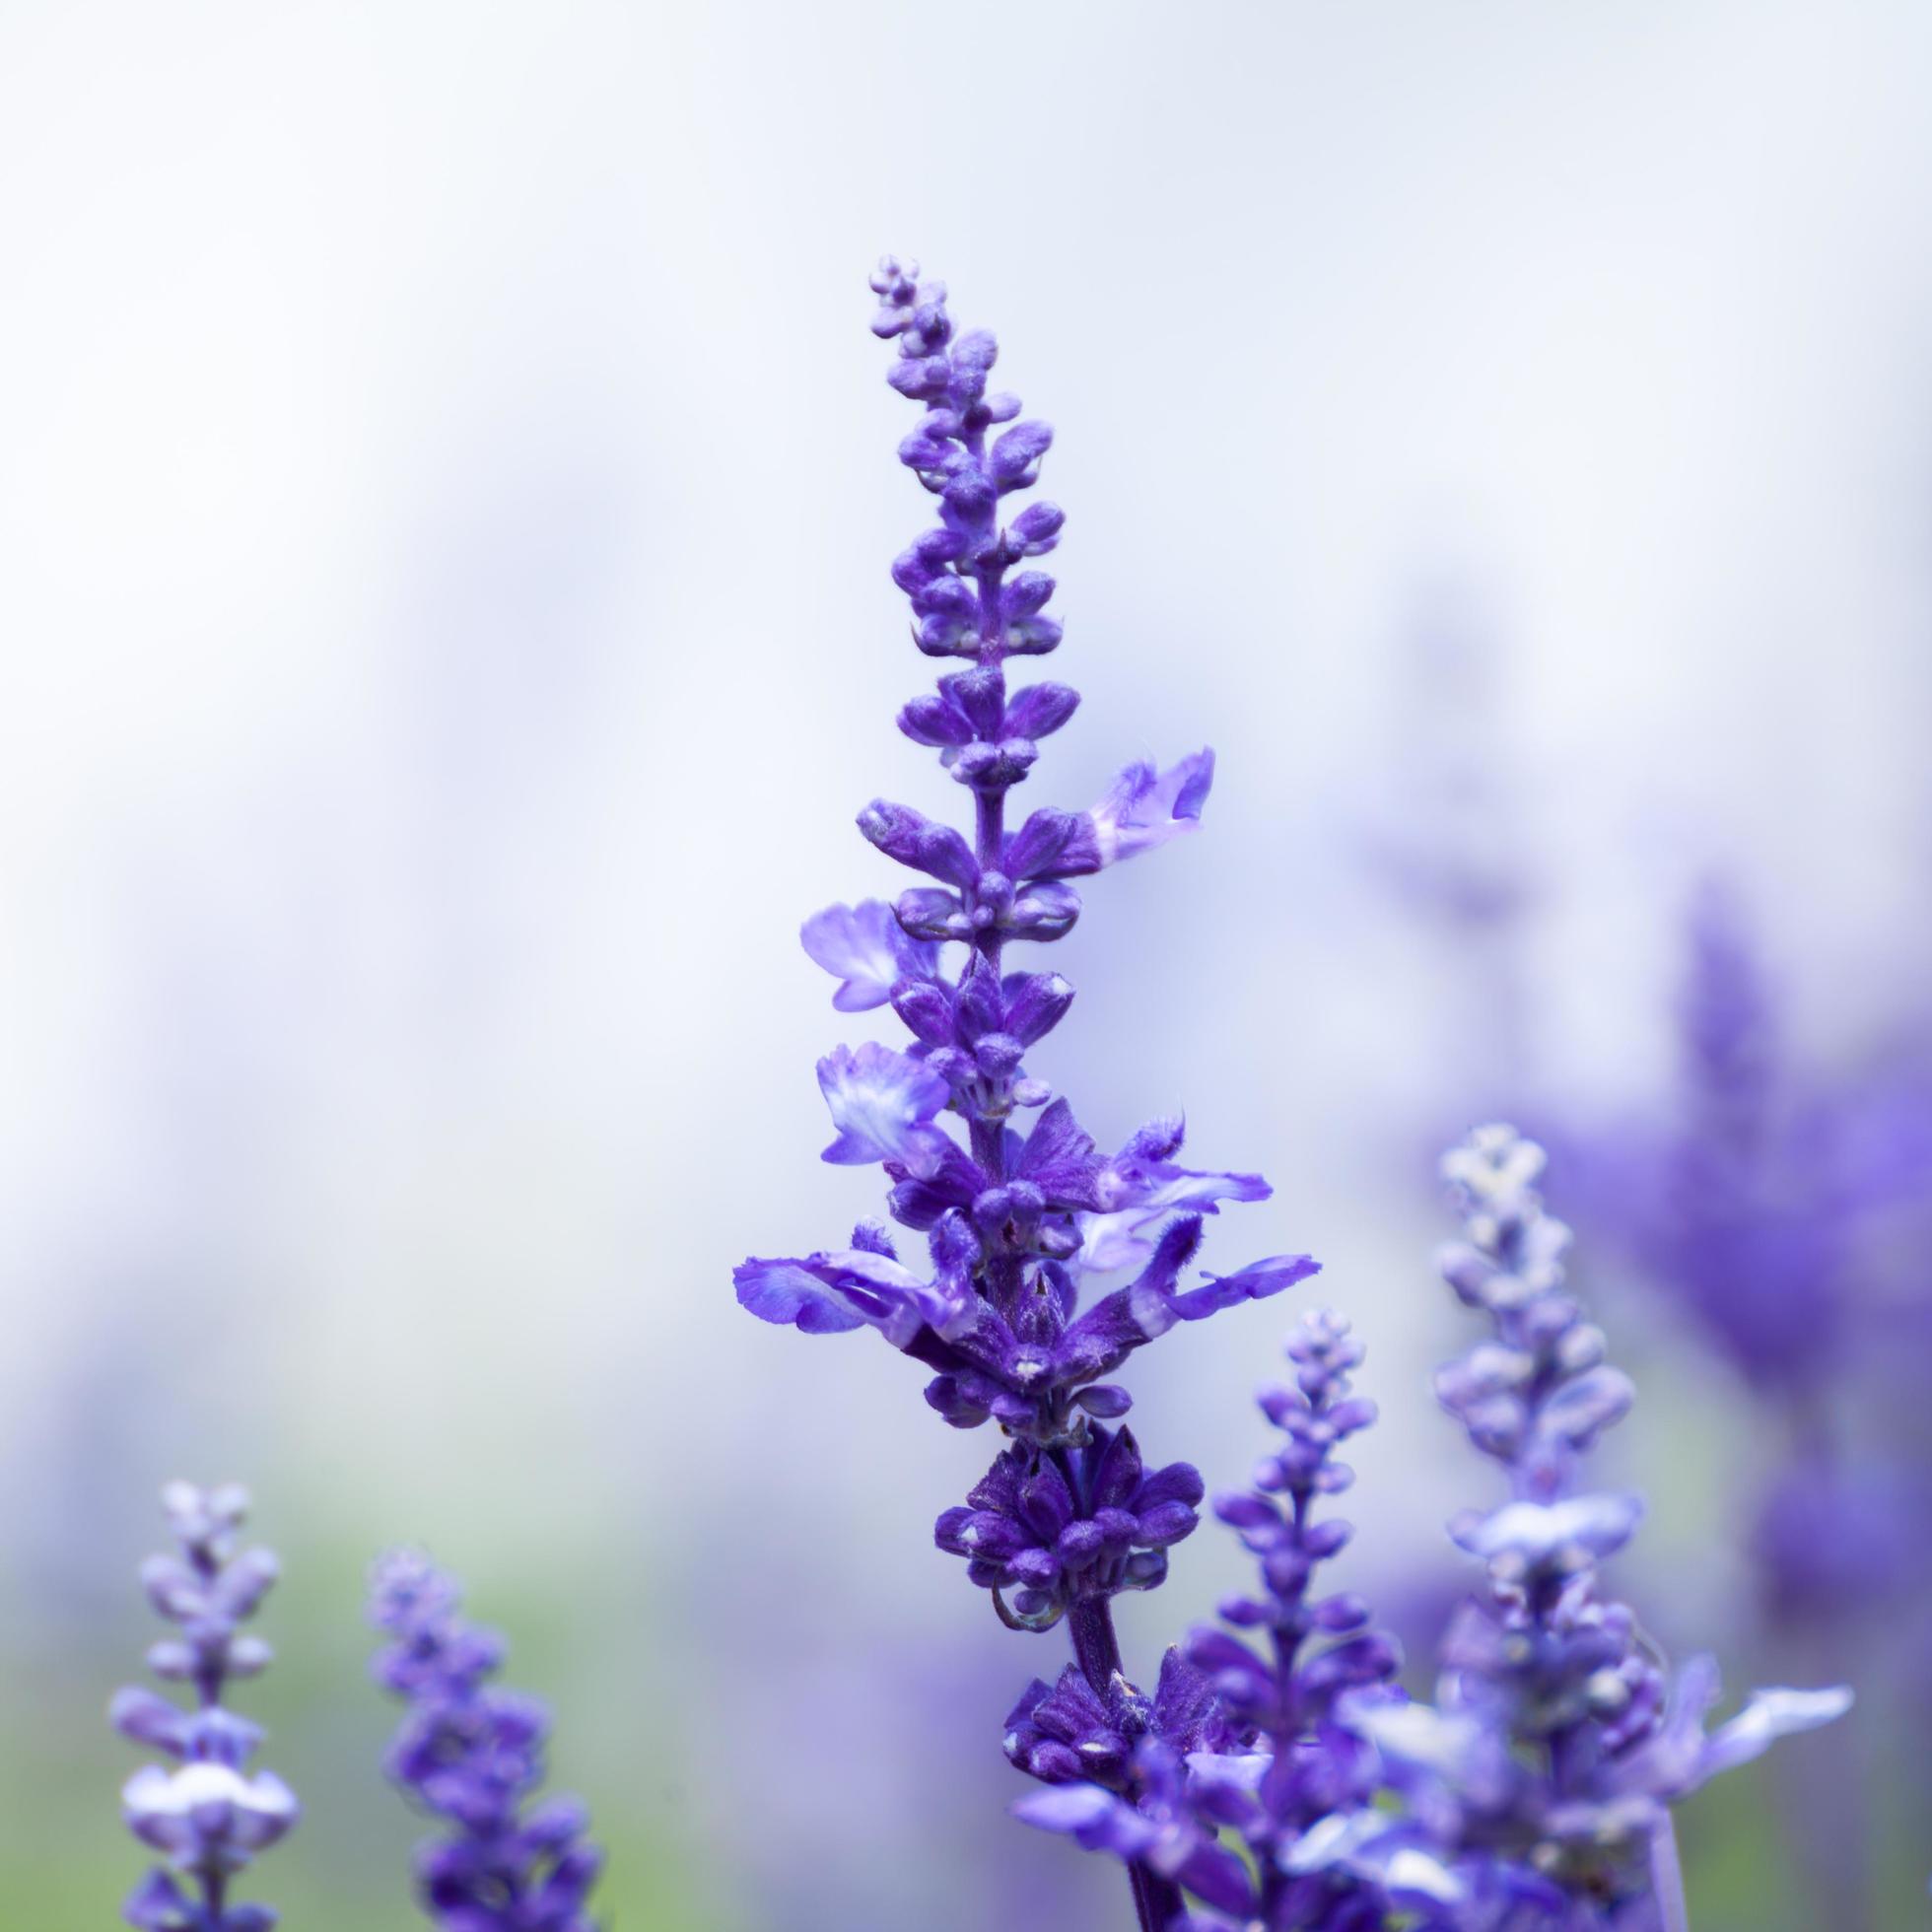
x,y
446,489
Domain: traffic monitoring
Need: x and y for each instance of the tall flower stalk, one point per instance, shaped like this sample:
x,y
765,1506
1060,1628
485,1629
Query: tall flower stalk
x,y
1023,1217
205,1812
1561,1739
471,1755
1770,1199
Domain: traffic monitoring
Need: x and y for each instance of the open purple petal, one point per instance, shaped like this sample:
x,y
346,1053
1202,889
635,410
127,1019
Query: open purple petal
x,y
1253,1283
865,948
831,1294
1768,1716
880,1102
1094,1818
1144,808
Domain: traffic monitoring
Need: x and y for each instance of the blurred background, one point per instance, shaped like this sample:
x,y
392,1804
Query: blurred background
x,y
447,487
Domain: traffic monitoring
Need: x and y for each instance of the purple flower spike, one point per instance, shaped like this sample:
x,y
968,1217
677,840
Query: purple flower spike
x,y
1561,1741
206,1814
1271,1764
1021,1212
472,1756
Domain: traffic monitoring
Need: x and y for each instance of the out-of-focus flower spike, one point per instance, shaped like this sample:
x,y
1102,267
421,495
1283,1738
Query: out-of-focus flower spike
x,y
209,1815
472,1756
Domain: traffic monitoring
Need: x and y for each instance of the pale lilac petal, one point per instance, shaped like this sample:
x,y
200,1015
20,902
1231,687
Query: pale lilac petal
x,y
1253,1283
1144,808
865,948
1112,1241
1137,1198
1768,1716
790,1294
1537,1532
1091,1817
1447,1744
1157,1187
832,1295
880,1102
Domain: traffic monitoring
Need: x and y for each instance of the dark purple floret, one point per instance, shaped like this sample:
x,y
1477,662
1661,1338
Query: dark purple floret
x,y
1042,1543
207,1814
1066,1732
472,1756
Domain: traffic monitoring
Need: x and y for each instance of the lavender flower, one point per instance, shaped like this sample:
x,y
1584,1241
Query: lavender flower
x,y
472,1756
1760,1204
208,1814
1244,1740
1009,1315
1536,1793
1770,1200
1559,1741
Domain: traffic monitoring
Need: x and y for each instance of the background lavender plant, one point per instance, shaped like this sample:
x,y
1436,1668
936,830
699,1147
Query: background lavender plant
x,y
1559,1741
1777,1204
1773,1203
208,1814
1537,1791
471,1755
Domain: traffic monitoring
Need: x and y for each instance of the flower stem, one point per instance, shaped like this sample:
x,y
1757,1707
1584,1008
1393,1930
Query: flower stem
x,y
1097,1651
1667,1879
1156,1900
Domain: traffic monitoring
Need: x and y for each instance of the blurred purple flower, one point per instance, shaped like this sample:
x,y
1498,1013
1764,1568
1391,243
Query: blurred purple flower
x,y
207,1814
472,1756
1559,1742
1244,1740
1762,1201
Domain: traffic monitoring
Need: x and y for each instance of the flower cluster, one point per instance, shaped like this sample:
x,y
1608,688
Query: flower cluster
x,y
472,1756
1024,1528
1256,1747
1559,1741
1536,1792
207,1814
1022,1221
1762,1201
